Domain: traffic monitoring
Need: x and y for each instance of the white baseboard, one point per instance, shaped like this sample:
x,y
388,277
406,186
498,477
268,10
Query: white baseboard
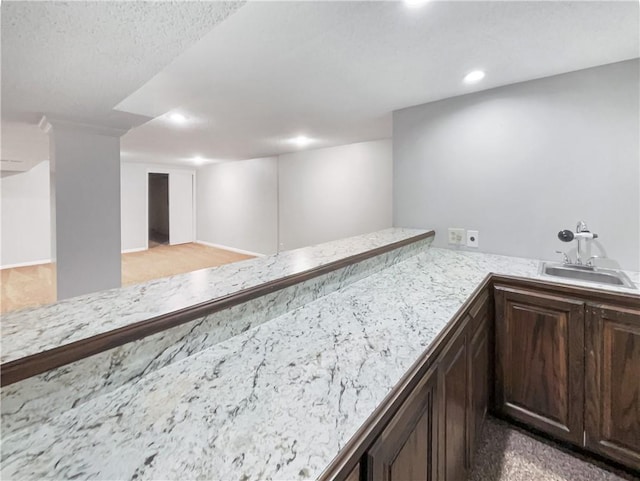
x,y
26,264
137,249
48,261
232,249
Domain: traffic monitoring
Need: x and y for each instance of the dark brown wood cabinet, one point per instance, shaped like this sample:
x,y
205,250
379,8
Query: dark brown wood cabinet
x,y
479,376
612,421
564,361
407,449
454,407
355,474
540,361
432,435
570,367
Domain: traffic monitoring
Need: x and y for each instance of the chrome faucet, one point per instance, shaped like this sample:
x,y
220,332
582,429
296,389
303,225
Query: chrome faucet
x,y
581,226
565,257
582,233
590,260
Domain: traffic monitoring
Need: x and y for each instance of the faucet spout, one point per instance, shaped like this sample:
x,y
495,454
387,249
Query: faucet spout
x,y
581,226
581,235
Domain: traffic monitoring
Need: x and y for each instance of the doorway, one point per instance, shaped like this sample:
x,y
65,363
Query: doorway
x,y
158,209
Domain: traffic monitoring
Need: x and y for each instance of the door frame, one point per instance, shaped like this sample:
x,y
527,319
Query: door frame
x,y
169,171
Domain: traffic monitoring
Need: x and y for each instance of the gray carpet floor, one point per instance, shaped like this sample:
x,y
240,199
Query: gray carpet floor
x,y
506,454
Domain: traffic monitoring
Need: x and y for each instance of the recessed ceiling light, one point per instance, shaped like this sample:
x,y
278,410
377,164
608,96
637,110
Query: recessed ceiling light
x,y
301,140
415,3
177,118
473,77
198,160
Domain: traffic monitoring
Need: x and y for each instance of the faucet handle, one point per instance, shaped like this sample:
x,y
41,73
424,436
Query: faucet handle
x,y
582,226
565,257
590,260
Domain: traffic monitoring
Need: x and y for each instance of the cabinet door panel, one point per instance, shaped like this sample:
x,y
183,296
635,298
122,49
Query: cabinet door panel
x,y
407,448
355,474
540,361
479,384
613,383
453,410
412,461
537,342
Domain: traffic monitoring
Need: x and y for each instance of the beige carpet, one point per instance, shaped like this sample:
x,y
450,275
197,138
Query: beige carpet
x,y
506,454
35,285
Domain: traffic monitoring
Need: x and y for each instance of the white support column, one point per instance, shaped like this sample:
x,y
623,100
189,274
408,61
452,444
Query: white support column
x,y
85,204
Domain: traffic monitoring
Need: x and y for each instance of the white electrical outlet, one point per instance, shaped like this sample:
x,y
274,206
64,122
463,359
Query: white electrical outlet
x,y
472,238
456,236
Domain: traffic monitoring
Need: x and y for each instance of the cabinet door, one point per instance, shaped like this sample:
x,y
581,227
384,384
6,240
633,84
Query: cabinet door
x,y
453,410
613,383
355,474
540,361
407,449
478,374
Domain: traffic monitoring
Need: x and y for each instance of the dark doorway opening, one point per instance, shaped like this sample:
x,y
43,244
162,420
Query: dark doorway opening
x,y
158,209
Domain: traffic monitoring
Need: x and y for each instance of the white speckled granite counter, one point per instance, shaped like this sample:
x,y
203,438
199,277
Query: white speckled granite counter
x,y
35,330
277,401
43,396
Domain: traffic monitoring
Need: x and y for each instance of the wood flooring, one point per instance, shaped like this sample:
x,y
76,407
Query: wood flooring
x,y
35,285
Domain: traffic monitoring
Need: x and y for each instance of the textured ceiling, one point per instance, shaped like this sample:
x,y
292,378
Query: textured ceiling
x,y
335,71
23,145
80,59
331,70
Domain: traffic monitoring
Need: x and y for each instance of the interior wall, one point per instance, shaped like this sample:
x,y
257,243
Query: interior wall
x,y
237,205
26,214
133,179
521,162
326,194
332,193
26,217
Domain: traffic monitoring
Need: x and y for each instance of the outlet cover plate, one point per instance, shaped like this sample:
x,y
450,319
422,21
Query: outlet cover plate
x,y
456,236
472,238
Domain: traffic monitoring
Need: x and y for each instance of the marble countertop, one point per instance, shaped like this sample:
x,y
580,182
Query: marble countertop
x,y
278,401
35,330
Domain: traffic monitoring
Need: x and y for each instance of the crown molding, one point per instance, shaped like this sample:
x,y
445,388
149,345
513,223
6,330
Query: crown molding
x,y
48,123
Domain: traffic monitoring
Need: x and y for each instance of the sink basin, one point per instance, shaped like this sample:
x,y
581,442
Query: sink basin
x,y
587,274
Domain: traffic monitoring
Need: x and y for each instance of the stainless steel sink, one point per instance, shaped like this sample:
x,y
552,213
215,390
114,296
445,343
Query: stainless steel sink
x,y
596,275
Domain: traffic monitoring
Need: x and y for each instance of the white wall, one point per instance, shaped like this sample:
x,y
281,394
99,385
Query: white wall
x,y
133,189
298,199
85,168
521,162
238,205
333,193
134,214
26,226
325,194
